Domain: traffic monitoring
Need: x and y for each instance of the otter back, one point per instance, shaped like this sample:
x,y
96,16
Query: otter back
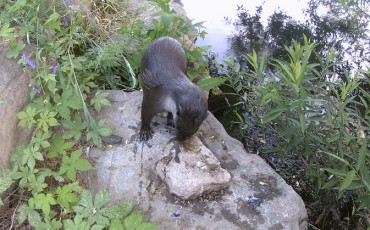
x,y
167,89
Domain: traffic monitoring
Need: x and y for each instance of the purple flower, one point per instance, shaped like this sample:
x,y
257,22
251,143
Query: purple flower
x,y
29,61
36,88
65,22
68,2
54,67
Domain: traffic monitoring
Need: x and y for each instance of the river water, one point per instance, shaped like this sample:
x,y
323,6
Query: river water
x,y
213,13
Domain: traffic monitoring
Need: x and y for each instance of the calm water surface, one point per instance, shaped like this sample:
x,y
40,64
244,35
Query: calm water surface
x,y
213,13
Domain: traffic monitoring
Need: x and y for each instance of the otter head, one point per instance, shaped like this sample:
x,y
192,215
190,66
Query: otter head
x,y
190,115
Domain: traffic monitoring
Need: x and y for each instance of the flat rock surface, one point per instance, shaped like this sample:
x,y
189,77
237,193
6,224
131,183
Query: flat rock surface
x,y
256,197
190,170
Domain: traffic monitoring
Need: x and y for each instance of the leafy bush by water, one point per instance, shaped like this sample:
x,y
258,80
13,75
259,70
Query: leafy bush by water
x,y
325,122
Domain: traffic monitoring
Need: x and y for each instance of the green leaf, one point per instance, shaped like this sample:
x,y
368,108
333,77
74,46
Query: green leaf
x,y
67,195
96,131
41,139
95,210
54,224
5,181
46,172
100,100
26,175
17,6
364,201
336,172
119,210
330,184
116,224
102,198
37,184
347,180
273,114
74,128
133,220
53,23
77,224
82,165
25,212
43,202
337,157
210,83
15,49
362,155
98,226
6,32
59,146
47,120
76,154
27,118
85,205
67,101
30,155
104,132
71,164
147,226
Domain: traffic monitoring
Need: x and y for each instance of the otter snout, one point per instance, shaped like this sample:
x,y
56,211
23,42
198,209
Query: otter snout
x,y
183,136
186,127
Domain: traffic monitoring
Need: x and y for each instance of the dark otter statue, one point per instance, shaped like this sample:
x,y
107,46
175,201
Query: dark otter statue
x,y
167,89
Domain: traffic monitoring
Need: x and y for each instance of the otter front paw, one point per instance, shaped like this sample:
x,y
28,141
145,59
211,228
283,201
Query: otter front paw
x,y
145,134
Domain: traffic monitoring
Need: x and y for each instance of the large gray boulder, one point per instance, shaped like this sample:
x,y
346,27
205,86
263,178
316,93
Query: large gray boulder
x,y
254,197
14,95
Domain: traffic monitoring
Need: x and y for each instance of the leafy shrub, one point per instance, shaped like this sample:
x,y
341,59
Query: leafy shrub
x,y
326,122
72,60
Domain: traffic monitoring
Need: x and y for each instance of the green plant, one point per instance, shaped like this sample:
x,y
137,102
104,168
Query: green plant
x,y
58,146
318,117
70,165
5,182
67,194
70,58
135,221
313,117
100,100
94,212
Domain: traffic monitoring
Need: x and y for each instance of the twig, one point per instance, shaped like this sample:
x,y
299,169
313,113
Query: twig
x,y
312,226
13,216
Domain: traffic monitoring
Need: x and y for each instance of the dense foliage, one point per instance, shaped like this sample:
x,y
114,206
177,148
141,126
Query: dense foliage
x,y
75,49
304,89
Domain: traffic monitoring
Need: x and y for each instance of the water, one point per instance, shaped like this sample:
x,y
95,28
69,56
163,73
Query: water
x,y
213,14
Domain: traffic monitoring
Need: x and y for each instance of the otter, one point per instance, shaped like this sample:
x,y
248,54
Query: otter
x,y
166,88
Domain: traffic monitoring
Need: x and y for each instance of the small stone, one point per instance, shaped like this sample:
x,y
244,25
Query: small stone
x,y
189,178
